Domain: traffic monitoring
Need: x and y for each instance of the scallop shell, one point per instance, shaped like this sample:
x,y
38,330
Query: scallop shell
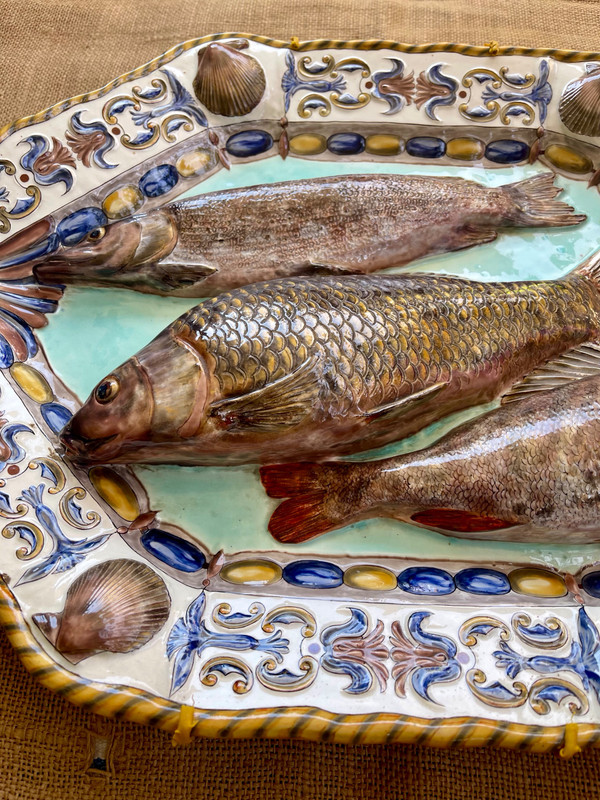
x,y
116,606
228,82
579,107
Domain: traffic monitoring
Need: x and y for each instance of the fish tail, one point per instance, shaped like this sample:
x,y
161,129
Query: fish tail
x,y
534,203
319,499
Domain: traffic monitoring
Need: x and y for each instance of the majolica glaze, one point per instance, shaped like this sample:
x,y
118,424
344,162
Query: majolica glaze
x,y
340,634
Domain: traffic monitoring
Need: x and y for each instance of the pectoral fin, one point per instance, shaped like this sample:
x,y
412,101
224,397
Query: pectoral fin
x,y
401,407
274,407
174,276
454,520
574,365
469,236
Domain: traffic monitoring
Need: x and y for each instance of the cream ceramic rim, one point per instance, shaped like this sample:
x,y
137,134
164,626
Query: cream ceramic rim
x,y
305,722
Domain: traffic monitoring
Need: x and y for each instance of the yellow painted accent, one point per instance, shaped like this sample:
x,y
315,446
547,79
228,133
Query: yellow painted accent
x,y
537,582
465,148
32,382
383,144
568,159
115,491
308,723
195,162
317,44
570,747
123,202
253,572
375,579
308,144
184,726
493,48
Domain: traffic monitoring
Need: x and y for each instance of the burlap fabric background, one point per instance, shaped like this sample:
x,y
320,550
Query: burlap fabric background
x,y
52,49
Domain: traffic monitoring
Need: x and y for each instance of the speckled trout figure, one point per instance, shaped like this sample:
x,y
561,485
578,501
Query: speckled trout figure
x,y
339,225
527,471
322,366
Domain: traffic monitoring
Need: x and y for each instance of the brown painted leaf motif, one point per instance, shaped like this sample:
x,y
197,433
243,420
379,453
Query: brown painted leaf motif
x,y
409,655
58,155
368,650
84,145
400,85
426,90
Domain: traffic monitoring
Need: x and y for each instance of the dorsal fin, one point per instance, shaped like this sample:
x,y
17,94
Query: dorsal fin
x,y
590,268
574,365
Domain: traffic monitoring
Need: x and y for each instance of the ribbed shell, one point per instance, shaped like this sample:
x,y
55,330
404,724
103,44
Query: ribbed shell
x,y
228,82
579,107
116,606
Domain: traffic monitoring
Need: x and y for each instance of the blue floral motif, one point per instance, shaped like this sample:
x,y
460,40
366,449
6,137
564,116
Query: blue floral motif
x,y
351,650
3,194
90,141
181,102
292,82
190,637
435,89
426,657
583,659
393,86
10,451
66,553
540,94
47,165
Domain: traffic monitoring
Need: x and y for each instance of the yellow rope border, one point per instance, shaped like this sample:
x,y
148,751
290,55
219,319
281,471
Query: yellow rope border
x,y
304,722
490,49
295,722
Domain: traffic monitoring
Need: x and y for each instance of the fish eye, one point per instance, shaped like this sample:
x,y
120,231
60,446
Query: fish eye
x,y
96,234
107,390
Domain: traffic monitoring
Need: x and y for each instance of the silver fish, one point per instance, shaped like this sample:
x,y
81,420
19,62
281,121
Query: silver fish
x,y
340,225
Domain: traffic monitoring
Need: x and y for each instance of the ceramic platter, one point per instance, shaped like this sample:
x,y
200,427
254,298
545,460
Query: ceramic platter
x,y
379,632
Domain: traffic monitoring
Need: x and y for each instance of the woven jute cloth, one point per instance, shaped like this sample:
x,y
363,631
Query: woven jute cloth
x,y
52,49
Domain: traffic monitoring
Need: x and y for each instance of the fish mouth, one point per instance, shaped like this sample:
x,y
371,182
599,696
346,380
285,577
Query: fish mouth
x,y
80,448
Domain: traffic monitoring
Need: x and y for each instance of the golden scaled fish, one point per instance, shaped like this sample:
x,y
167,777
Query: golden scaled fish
x,y
314,367
526,471
339,225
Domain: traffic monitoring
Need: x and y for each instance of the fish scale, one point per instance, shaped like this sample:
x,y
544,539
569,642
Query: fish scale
x,y
307,367
379,334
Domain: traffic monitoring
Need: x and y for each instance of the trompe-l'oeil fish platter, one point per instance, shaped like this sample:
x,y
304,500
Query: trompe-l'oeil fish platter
x,y
165,556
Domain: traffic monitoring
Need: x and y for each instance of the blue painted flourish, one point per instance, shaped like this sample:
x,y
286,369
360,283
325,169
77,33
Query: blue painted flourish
x,y
292,82
45,164
540,94
65,553
583,659
190,636
351,650
181,102
426,658
393,86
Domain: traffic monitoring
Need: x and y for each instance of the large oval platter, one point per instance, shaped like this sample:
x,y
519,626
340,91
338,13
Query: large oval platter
x,y
194,618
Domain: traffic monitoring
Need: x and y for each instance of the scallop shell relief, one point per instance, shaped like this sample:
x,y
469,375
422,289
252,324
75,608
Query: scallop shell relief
x,y
114,607
229,82
579,107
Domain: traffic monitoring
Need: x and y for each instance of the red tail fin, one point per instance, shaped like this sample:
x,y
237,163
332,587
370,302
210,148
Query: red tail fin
x,y
316,504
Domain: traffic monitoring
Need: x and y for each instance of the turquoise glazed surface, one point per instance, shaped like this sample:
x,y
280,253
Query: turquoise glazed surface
x,y
226,507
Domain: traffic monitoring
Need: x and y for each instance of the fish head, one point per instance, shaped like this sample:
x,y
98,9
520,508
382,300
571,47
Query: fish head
x,y
87,248
156,398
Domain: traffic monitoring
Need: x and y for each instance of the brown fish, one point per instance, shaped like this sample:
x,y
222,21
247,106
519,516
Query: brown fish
x,y
310,367
222,240
527,471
